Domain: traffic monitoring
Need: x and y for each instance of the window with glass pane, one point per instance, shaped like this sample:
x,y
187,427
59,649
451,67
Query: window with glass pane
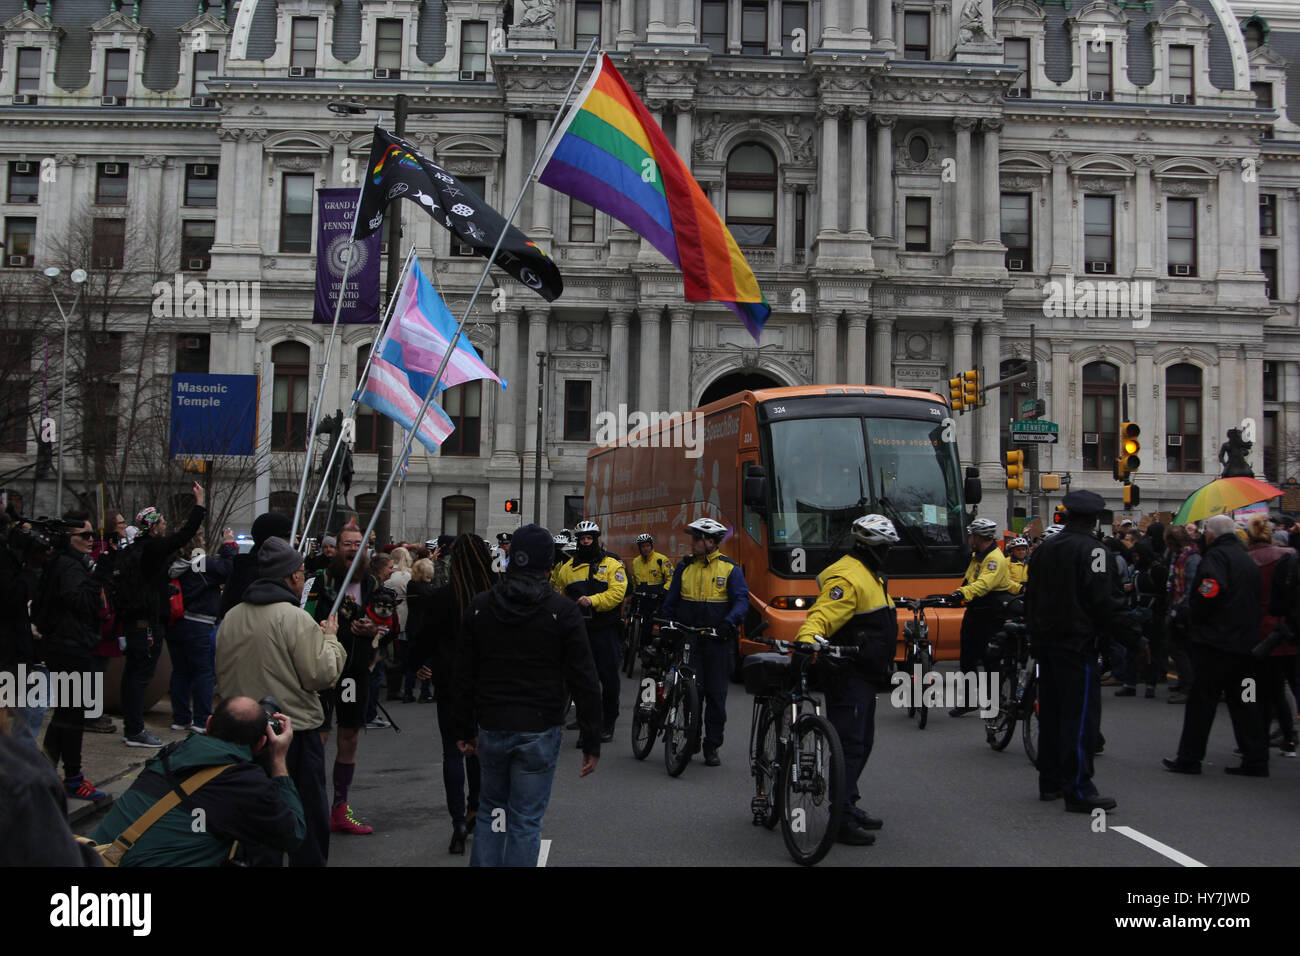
x,y
457,515
1263,95
916,36
1099,71
296,194
917,236
303,52
751,195
1268,266
200,185
196,243
29,70
1270,447
794,16
753,29
463,405
1181,75
582,222
24,182
205,65
111,183
1270,381
14,402
577,411
1100,415
573,512
800,219
107,243
713,25
20,240
117,72
289,396
1016,52
99,434
1016,230
1183,418
1182,236
367,419
1099,233
586,24
473,46
103,351
478,186
193,352
388,45
1267,214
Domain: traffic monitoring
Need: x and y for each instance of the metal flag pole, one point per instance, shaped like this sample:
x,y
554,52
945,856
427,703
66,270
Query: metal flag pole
x,y
451,348
352,411
325,369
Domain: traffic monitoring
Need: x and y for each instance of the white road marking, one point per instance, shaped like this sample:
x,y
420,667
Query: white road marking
x,y
544,852
1182,859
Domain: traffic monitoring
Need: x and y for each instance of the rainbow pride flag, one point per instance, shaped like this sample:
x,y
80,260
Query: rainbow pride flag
x,y
610,154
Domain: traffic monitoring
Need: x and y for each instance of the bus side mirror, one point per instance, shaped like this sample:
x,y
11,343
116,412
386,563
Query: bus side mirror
x,y
755,487
973,488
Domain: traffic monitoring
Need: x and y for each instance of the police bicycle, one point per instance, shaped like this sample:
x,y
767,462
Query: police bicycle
x,y
1017,690
641,611
795,754
669,699
918,660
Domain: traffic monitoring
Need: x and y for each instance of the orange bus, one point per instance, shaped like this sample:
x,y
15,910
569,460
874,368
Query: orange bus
x,y
788,470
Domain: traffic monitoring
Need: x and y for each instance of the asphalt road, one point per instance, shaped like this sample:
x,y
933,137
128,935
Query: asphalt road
x,y
947,799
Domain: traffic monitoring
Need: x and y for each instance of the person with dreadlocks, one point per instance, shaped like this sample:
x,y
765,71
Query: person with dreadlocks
x,y
470,572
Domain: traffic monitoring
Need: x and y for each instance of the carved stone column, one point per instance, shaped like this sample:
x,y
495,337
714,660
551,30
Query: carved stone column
x,y
1231,223
684,138
990,190
883,200
859,170
1145,211
828,167
856,350
619,317
648,399
965,177
1062,215
989,424
962,359
541,194
884,24
785,228
882,350
506,408
626,23
827,350
514,172
679,359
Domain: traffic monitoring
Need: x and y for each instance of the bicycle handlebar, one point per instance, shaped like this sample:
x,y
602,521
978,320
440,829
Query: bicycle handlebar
x,y
666,625
916,604
788,647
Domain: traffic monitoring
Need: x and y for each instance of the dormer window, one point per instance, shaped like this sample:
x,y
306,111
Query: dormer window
x,y
388,48
1016,52
205,65
1254,32
29,70
1182,76
302,55
1100,71
117,72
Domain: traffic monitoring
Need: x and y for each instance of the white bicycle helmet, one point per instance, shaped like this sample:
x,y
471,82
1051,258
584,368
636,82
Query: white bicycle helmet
x,y
561,539
874,529
707,528
1052,529
645,539
1018,543
982,528
587,527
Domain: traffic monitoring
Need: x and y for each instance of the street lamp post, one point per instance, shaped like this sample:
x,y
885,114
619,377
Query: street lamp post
x,y
78,278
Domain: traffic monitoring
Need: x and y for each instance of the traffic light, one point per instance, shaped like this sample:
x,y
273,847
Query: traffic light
x,y
1058,516
1016,470
1132,495
1050,482
512,506
956,395
972,394
1127,458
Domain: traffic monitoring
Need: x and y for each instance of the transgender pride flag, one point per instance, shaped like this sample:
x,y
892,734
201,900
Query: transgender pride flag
x,y
397,393
423,327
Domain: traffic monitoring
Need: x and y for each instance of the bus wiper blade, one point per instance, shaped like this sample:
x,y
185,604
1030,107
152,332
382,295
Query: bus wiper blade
x,y
912,535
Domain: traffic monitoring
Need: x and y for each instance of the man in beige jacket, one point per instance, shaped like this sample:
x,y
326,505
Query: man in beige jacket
x,y
268,646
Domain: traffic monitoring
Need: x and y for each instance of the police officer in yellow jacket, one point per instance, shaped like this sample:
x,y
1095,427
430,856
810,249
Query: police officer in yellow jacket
x,y
651,573
985,588
1018,567
708,590
597,582
854,609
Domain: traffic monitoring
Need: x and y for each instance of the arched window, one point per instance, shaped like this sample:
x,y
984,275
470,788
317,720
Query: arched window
x,y
367,417
292,361
1100,415
458,514
751,195
1183,418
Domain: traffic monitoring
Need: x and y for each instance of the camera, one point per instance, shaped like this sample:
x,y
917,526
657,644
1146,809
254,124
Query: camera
x,y
37,534
272,707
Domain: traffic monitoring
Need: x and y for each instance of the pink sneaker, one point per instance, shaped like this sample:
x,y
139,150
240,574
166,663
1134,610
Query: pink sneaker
x,y
342,821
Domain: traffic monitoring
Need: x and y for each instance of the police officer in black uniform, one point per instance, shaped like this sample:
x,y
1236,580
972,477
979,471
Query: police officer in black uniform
x,y
1071,609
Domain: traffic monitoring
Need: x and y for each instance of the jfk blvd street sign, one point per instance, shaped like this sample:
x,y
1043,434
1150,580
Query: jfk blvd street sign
x,y
1035,432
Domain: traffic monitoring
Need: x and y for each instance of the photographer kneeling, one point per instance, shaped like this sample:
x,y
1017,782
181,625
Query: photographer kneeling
x,y
229,794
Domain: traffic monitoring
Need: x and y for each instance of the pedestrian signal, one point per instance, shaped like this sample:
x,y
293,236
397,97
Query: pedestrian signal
x,y
512,506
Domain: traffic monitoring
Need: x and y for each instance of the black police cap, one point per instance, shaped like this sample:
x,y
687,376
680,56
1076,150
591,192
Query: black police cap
x,y
503,537
1084,504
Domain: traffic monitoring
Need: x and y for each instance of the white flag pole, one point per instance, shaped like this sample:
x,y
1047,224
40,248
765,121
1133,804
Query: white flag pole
x,y
451,348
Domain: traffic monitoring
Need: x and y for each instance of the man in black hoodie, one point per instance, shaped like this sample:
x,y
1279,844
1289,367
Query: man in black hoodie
x,y
270,524
522,650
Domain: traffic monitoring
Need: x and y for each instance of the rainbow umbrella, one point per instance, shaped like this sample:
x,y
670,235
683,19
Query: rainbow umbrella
x,y
1223,495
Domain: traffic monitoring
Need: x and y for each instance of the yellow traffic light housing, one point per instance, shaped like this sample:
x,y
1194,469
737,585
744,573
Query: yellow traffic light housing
x,y
1127,458
972,394
955,394
1132,495
1050,482
1015,470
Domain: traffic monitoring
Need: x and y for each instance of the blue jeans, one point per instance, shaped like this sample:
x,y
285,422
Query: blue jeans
x,y
190,644
28,720
516,770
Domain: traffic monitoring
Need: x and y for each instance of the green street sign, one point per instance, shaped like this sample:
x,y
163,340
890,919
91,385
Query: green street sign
x,y
1039,427
1027,406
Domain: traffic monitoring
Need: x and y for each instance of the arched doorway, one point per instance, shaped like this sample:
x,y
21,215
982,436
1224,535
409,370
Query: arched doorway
x,y
735,382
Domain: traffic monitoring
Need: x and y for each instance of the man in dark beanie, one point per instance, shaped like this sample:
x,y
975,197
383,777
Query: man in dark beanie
x,y
522,650
271,524
268,646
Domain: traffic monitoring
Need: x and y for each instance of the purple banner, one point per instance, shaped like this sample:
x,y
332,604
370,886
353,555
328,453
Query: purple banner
x,y
361,300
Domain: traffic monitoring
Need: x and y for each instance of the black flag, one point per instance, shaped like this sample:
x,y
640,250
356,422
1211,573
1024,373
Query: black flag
x,y
396,168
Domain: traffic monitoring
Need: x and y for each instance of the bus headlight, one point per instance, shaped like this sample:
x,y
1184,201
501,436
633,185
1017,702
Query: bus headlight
x,y
793,602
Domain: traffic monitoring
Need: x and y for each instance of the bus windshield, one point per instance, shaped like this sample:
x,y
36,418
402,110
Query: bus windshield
x,y
827,472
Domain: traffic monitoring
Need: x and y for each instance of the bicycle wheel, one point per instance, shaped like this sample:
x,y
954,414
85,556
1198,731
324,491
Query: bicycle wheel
x,y
927,679
1030,729
812,789
633,645
645,723
682,730
1002,728
911,680
765,770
